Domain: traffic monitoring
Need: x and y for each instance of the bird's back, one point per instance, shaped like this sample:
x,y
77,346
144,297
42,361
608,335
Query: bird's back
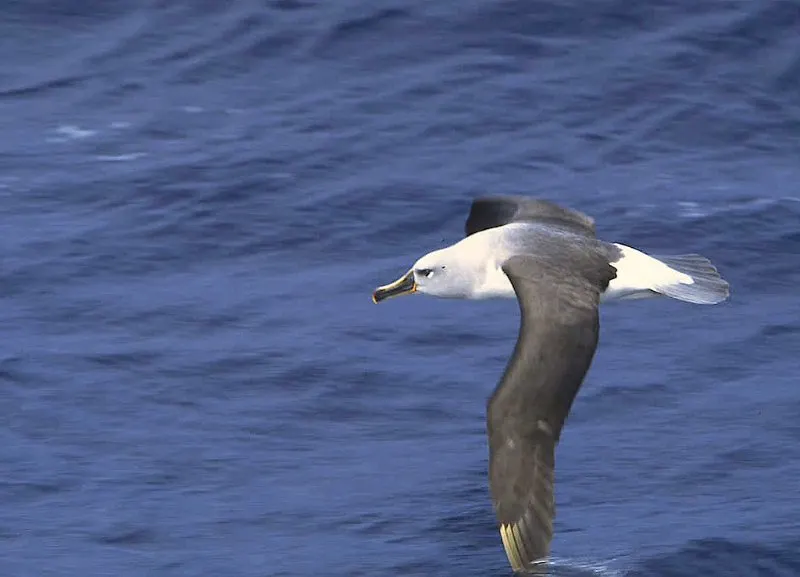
x,y
564,249
576,253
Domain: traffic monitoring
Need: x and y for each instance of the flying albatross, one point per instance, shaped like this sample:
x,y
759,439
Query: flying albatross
x,y
550,259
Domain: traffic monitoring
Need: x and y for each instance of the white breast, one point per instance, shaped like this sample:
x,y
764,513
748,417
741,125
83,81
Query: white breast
x,y
496,285
483,253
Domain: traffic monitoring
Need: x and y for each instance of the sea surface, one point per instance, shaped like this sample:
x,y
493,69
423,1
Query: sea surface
x,y
197,199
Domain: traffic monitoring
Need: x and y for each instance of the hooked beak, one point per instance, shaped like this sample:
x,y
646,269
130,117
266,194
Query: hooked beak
x,y
402,286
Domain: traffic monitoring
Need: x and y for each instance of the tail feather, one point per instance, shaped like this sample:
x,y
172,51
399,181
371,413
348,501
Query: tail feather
x,y
708,288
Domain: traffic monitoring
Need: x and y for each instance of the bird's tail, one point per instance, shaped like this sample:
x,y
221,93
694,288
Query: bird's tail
x,y
707,287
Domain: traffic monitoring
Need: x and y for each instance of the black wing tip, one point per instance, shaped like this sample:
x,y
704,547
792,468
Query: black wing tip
x,y
489,211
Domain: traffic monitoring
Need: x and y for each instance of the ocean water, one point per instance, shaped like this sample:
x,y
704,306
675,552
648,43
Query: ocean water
x,y
197,199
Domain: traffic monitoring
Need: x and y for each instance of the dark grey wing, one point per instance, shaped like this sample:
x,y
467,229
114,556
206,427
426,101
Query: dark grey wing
x,y
557,339
494,211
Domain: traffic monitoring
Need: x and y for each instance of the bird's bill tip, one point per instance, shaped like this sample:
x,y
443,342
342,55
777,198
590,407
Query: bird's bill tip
x,y
405,285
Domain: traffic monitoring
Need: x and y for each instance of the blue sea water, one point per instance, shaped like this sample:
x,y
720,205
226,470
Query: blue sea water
x,y
197,199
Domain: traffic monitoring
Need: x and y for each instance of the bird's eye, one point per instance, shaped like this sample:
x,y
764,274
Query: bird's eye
x,y
426,272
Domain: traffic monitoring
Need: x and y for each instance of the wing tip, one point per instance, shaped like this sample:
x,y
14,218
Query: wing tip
x,y
517,553
511,548
489,211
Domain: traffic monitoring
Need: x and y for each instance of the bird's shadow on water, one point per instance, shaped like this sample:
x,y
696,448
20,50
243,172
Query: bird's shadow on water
x,y
705,557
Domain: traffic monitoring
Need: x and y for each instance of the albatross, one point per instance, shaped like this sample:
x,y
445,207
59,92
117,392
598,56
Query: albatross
x,y
547,257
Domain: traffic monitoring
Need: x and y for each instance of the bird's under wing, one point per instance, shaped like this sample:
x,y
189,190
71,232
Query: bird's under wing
x,y
557,339
493,211
522,481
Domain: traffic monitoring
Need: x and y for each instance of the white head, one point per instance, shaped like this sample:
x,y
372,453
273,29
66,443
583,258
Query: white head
x,y
444,273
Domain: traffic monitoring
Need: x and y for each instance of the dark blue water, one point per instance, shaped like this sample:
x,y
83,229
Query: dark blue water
x,y
197,199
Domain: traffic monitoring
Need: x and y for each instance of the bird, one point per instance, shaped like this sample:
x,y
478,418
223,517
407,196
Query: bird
x,y
549,258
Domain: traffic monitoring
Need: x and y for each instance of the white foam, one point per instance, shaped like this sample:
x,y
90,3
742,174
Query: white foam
x,y
68,132
71,131
691,209
561,566
120,157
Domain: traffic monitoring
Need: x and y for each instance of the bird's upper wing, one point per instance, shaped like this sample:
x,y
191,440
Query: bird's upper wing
x,y
557,339
494,211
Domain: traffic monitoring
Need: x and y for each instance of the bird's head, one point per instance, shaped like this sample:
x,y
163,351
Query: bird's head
x,y
437,274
